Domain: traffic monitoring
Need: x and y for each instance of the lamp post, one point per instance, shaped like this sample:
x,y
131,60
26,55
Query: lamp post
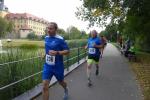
x,y
69,31
117,36
82,32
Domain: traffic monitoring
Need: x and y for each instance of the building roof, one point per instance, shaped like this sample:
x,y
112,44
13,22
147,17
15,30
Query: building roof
x,y
26,16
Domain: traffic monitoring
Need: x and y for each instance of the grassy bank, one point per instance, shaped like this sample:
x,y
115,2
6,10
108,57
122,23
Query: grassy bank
x,y
142,71
20,42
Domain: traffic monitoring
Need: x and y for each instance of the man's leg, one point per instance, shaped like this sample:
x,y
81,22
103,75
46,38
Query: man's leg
x,y
45,91
46,77
64,85
97,69
60,77
102,49
89,70
89,74
89,65
96,62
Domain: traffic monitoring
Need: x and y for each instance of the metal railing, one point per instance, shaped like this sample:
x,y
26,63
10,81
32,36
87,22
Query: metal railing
x,y
77,56
19,61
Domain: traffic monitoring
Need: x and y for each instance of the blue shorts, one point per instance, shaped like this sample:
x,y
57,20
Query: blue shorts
x,y
48,73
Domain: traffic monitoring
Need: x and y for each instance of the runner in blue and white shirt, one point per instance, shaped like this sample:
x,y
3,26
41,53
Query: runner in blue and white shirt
x,y
55,48
93,46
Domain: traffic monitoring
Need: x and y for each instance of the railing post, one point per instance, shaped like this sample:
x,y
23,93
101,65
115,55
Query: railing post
x,y
78,55
85,54
67,62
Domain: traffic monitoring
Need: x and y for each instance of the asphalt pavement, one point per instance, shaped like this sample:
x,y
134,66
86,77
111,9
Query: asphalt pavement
x,y
116,81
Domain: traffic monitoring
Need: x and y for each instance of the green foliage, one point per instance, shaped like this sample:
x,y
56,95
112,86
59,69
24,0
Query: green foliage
x,y
32,36
63,34
77,43
130,17
110,32
61,31
29,46
5,26
137,23
74,33
10,26
98,11
43,37
15,71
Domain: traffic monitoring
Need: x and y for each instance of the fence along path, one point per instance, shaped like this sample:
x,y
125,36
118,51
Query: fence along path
x,y
78,56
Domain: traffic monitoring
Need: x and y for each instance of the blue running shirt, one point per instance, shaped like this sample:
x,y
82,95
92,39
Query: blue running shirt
x,y
92,51
56,43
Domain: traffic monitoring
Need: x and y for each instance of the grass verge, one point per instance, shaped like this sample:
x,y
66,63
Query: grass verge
x,y
142,71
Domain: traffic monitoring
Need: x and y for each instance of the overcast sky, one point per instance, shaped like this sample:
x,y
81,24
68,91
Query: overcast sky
x,y
60,11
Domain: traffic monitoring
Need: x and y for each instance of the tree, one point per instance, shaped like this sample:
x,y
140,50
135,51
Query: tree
x,y
32,36
110,32
10,26
5,26
62,33
137,23
130,16
83,35
74,33
99,11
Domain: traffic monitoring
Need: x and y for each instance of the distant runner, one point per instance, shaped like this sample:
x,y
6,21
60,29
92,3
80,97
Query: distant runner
x,y
104,43
93,46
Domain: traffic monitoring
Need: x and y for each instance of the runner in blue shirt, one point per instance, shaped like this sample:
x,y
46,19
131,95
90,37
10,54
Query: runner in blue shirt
x,y
93,46
55,48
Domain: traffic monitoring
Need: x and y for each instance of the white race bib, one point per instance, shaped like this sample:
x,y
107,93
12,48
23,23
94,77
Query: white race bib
x,y
92,51
50,60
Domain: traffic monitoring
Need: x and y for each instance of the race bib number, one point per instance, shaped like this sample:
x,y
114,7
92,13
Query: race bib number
x,y
50,60
91,50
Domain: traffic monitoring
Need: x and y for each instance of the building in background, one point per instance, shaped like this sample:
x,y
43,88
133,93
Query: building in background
x,y
3,9
25,23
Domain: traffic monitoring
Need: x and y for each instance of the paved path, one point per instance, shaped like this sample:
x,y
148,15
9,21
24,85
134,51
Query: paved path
x,y
115,82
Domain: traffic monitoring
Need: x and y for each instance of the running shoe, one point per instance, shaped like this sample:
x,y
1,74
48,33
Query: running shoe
x,y
89,82
65,94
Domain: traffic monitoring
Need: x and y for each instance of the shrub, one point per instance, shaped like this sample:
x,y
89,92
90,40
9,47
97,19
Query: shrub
x,y
29,46
32,36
